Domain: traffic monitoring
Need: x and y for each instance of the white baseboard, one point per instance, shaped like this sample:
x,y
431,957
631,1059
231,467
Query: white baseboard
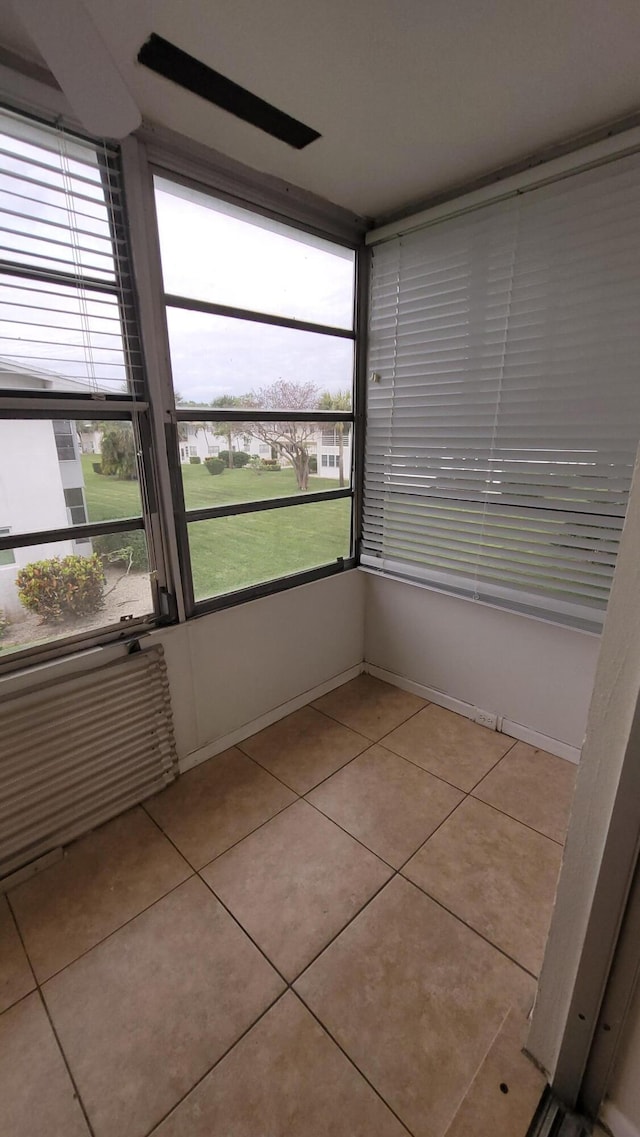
x,y
507,726
617,1122
249,728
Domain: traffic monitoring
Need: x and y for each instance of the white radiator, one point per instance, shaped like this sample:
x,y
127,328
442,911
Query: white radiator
x,y
76,751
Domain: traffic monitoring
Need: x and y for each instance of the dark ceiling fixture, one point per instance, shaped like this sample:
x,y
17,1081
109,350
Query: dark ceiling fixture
x,y
170,61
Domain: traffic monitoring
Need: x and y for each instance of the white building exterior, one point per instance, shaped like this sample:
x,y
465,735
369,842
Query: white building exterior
x,y
200,442
41,483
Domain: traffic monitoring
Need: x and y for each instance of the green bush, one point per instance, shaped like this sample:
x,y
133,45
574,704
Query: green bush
x,y
269,464
4,623
60,588
214,465
313,464
118,451
129,549
239,458
194,460
97,467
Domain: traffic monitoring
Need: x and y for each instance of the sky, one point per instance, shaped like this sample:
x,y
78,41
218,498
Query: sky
x,y
210,251
218,253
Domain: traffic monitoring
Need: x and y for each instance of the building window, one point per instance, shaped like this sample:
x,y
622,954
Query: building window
x,y
193,451
74,501
7,556
261,334
65,441
69,330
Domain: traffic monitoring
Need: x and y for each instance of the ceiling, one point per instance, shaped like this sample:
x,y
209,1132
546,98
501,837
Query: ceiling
x,y
411,97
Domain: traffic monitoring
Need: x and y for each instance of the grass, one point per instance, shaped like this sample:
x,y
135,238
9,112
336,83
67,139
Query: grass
x,y
228,553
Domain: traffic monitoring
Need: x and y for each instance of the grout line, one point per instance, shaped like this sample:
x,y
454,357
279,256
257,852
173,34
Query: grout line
x,y
245,932
114,931
217,1062
326,779
519,820
77,1093
16,925
472,929
233,845
328,817
326,1030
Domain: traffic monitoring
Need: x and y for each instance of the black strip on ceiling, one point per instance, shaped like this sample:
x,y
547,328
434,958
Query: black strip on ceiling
x,y
166,59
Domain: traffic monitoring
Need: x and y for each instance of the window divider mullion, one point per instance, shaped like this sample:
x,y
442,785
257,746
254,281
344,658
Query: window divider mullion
x,y
211,308
232,509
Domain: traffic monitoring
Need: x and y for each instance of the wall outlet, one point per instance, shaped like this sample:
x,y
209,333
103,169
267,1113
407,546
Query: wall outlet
x,y
486,718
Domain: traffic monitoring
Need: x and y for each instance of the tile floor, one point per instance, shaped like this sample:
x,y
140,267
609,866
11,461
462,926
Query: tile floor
x,y
332,929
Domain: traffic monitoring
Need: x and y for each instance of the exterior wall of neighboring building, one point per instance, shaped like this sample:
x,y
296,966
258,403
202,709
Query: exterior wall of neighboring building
x,y
31,498
325,446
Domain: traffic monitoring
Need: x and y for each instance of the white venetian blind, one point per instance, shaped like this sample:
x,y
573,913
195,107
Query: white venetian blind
x,y
66,319
505,415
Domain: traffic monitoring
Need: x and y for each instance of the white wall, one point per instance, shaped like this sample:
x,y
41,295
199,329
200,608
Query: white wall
x,y
31,497
621,1109
536,674
232,667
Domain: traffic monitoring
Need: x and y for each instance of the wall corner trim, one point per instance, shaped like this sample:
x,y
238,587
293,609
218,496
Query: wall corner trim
x,y
267,719
507,726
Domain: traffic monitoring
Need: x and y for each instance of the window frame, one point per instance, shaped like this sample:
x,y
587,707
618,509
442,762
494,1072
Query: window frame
x,y
207,180
132,406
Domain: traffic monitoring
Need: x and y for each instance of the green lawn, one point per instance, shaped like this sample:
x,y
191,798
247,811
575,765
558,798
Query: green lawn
x,y
233,552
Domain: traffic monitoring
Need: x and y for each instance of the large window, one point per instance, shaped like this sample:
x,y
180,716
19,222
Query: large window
x,y
260,320
504,401
75,553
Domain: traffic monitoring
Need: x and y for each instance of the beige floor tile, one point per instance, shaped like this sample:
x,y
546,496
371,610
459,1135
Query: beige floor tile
x,y
37,1098
101,882
449,745
504,1094
534,787
16,977
387,803
304,748
494,873
285,1078
295,883
216,804
415,998
147,1012
368,705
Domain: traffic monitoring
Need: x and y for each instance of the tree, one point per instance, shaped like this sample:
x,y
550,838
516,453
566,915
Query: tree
x,y
341,401
118,450
230,430
288,438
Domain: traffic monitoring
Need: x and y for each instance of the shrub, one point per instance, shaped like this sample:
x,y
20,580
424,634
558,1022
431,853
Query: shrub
x,y
269,464
214,465
194,460
313,464
61,588
97,467
123,548
118,451
239,458
4,623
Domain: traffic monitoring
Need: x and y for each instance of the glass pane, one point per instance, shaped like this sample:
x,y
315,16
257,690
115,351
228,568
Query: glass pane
x,y
63,588
59,473
229,462
60,339
214,251
228,553
221,361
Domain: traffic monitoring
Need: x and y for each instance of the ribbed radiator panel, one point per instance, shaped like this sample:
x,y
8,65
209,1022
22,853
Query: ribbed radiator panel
x,y
76,751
